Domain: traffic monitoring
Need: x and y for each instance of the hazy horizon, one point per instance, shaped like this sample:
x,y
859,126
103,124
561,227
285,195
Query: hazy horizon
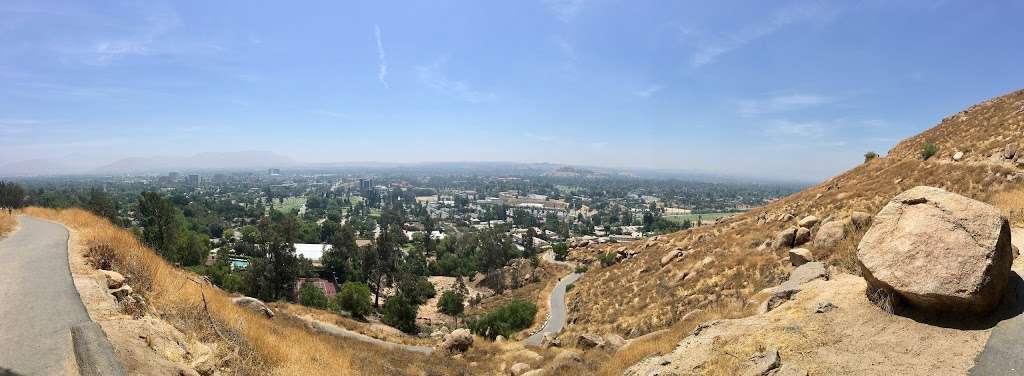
x,y
797,90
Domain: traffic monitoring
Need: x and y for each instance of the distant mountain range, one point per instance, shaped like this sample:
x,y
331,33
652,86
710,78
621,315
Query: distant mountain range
x,y
253,160
240,160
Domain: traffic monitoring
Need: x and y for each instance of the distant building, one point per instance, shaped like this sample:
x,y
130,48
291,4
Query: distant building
x,y
365,185
312,252
326,286
274,171
193,180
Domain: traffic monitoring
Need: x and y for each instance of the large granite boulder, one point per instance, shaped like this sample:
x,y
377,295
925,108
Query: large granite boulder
x,y
938,251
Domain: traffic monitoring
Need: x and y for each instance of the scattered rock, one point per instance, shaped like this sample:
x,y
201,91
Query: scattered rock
x,y
824,307
536,372
800,256
671,255
1010,151
589,341
938,251
785,238
114,279
860,220
958,156
255,305
808,221
807,272
519,369
568,356
802,235
459,340
121,292
788,370
829,234
550,340
615,341
762,363
499,339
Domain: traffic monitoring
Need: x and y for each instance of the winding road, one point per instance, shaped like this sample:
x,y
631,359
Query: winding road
x,y
556,301
39,304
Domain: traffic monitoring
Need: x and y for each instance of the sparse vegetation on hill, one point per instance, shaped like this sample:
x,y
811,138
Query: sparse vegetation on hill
x,y
254,343
7,224
733,260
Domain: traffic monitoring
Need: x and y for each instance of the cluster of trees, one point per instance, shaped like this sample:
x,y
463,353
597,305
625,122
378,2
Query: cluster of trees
x,y
164,229
12,196
505,321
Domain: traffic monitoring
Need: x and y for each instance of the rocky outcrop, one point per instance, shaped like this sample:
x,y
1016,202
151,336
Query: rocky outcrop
x,y
459,340
114,279
938,251
518,273
589,341
800,256
808,221
829,234
254,304
792,237
782,293
670,256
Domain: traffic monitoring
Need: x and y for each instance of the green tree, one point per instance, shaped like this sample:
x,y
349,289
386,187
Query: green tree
x,y
312,296
561,250
102,204
12,196
162,225
929,150
400,313
451,303
354,297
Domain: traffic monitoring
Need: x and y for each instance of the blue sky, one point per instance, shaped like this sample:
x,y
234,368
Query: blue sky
x,y
761,88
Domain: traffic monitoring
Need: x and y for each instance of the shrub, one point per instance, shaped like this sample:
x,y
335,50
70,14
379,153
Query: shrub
x,y
869,156
561,250
451,303
505,321
581,268
312,296
354,297
400,313
607,259
929,150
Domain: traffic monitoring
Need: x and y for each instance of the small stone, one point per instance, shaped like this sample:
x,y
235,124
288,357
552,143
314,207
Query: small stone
x,y
800,256
824,307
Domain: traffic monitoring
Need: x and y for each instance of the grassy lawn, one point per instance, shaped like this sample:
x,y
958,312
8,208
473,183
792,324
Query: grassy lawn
x,y
374,213
705,217
289,204
355,199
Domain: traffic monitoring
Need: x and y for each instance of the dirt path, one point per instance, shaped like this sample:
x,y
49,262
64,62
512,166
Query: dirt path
x,y
558,312
338,331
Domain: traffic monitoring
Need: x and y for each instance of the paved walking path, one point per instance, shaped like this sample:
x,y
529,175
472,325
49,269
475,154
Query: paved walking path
x,y
556,301
38,301
1004,352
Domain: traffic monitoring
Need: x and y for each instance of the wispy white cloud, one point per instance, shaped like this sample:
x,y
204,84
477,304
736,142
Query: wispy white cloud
x,y
648,91
433,76
157,22
382,62
780,103
565,10
709,47
786,130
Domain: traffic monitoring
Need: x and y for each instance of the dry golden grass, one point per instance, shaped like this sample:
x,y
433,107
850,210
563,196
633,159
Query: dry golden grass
x,y
7,223
723,261
277,346
1011,202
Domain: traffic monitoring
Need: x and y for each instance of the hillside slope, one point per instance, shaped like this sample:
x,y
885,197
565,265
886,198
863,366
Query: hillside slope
x,y
722,266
